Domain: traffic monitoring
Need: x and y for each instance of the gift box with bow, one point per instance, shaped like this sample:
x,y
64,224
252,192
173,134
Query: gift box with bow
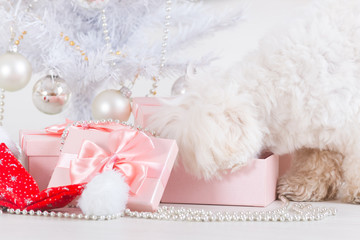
x,y
144,161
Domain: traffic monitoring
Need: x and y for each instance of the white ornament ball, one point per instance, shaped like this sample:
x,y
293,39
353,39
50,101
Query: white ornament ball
x,y
179,86
51,94
92,4
15,71
111,104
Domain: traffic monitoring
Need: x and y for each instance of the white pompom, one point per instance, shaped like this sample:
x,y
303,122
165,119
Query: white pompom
x,y
105,194
5,138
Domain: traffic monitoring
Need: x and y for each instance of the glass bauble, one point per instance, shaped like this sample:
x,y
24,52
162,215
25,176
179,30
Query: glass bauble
x,y
15,71
179,86
111,104
51,94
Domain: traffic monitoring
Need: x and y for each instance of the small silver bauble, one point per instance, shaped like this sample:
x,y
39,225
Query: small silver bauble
x,y
15,71
179,86
111,104
51,94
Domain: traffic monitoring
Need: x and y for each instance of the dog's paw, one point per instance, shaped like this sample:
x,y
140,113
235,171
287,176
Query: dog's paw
x,y
294,191
315,175
301,189
349,193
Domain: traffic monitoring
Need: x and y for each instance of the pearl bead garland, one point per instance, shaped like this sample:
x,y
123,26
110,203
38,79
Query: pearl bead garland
x,y
116,104
165,38
54,214
286,213
126,91
2,104
101,122
294,213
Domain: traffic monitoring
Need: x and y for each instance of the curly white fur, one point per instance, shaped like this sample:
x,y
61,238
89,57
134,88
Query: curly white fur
x,y
105,194
301,89
211,124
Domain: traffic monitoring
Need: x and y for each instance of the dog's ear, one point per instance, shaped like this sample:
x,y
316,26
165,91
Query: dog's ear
x,y
216,128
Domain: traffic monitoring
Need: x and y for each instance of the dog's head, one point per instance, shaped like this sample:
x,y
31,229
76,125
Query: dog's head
x,y
215,126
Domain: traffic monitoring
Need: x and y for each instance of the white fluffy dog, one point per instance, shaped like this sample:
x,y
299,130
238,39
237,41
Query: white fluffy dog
x,y
299,92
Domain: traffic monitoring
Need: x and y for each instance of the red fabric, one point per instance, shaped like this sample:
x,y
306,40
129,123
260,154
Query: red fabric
x,y
19,190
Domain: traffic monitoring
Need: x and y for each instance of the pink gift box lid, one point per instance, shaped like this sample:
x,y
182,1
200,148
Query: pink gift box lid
x,y
150,193
143,107
252,185
39,143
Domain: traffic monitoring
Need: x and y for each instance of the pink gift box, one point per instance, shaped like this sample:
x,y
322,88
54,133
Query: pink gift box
x,y
149,194
254,185
41,153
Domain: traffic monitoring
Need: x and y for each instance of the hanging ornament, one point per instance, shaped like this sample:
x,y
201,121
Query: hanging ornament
x,y
51,94
15,71
111,104
92,4
179,86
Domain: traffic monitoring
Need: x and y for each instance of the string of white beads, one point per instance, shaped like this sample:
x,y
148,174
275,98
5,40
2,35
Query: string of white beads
x,y
304,212
2,105
294,213
54,214
164,44
101,122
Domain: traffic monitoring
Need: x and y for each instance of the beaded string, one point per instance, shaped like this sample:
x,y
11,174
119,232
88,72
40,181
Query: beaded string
x,y
167,22
297,212
13,47
73,44
101,122
2,105
126,91
66,38
107,37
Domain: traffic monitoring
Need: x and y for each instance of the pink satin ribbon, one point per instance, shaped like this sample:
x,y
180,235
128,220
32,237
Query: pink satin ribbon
x,y
101,127
59,128
128,149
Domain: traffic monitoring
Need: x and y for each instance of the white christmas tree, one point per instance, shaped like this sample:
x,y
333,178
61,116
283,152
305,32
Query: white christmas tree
x,y
98,45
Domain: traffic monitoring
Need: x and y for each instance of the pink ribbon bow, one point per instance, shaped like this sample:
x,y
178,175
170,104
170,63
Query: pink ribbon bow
x,y
128,149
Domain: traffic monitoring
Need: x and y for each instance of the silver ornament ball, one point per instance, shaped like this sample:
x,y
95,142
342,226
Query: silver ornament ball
x,y
111,104
51,94
15,71
179,86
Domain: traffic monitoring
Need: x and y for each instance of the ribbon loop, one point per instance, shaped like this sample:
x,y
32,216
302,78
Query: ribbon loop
x,y
58,128
126,146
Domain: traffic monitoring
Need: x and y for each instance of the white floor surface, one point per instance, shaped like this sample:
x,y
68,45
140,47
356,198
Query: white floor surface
x,y
345,225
